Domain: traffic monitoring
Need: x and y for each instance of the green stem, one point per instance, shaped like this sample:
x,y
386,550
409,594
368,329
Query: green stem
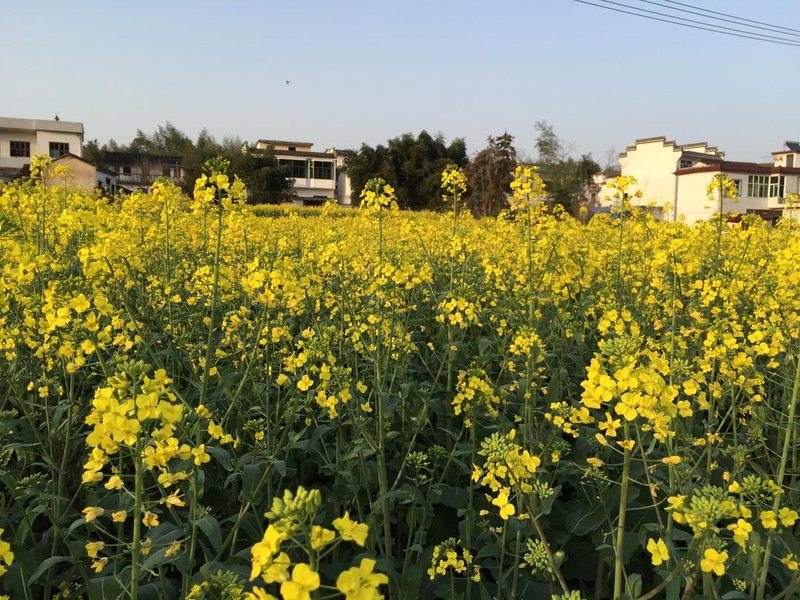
x,y
137,519
193,504
787,441
623,508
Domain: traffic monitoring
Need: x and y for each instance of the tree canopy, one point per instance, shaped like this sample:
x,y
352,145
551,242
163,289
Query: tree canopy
x,y
566,178
489,175
413,166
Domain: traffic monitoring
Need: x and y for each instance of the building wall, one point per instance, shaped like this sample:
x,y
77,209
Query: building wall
x,y
43,139
653,165
40,144
82,176
693,204
6,160
283,146
787,159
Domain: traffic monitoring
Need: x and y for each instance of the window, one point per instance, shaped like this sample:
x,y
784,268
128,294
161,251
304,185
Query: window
x,y
685,163
738,183
297,168
19,148
58,149
758,186
126,170
323,169
292,148
765,186
776,186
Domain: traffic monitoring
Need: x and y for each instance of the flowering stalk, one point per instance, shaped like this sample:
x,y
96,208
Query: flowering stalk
x,y
454,183
377,195
211,188
723,187
528,189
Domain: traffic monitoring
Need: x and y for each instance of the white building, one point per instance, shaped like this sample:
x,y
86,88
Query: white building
x,y
20,139
318,176
674,179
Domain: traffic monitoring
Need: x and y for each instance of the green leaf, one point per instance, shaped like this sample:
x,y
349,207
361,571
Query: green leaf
x,y
223,457
251,477
453,497
210,527
45,565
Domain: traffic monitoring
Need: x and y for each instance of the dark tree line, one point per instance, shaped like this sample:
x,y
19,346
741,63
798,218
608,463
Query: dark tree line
x,y
414,166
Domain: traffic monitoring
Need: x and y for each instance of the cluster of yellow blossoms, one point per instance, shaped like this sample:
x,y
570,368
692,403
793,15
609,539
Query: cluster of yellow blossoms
x,y
454,183
743,510
120,412
446,558
631,387
507,468
377,195
474,390
527,187
292,519
216,186
6,555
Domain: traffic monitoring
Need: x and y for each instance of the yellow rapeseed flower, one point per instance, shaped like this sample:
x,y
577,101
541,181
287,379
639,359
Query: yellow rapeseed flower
x,y
351,531
361,583
713,561
658,551
92,548
90,513
769,519
304,581
321,537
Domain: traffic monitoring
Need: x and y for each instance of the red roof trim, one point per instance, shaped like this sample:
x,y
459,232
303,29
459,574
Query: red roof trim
x,y
740,167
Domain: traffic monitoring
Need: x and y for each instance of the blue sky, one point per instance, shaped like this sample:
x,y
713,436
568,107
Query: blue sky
x,y
367,71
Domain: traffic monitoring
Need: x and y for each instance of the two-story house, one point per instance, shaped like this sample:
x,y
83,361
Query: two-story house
x,y
674,179
20,139
318,176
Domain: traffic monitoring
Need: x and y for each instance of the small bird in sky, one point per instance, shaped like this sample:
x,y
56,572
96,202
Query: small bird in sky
x,y
288,82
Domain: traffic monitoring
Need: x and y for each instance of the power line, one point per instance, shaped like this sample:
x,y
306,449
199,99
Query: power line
x,y
735,20
732,16
710,27
720,27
